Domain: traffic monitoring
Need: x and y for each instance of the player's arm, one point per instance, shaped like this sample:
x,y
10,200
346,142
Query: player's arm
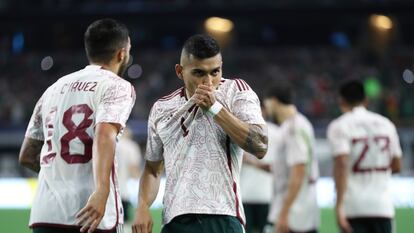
x,y
29,155
253,161
148,190
296,177
340,174
396,165
340,146
103,157
395,149
340,178
250,137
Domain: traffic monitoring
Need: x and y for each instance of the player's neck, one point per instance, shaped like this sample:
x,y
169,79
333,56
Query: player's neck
x,y
350,108
286,112
114,68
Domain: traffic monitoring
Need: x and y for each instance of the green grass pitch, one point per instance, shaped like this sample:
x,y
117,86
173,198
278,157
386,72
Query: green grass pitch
x,y
15,221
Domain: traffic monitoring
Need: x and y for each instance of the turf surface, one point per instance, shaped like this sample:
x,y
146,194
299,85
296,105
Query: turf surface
x,y
15,221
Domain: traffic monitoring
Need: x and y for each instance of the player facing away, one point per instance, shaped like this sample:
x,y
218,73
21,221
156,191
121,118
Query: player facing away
x,y
71,138
256,181
366,150
295,169
198,133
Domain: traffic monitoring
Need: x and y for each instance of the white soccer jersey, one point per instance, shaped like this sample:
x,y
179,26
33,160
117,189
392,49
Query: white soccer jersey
x,y
256,184
370,141
202,164
128,154
65,118
296,147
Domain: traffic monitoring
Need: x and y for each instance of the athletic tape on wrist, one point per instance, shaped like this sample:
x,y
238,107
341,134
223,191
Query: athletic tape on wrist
x,y
215,109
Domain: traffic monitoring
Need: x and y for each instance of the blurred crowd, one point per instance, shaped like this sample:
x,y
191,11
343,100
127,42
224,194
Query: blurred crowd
x,y
315,73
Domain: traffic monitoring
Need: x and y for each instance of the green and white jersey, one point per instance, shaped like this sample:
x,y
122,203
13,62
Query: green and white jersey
x,y
296,147
256,184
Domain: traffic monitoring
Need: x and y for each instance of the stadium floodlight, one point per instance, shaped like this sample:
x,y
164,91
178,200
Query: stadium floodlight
x,y
217,24
46,63
381,22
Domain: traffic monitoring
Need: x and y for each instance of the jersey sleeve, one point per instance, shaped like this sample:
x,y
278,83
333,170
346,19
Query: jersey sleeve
x,y
338,140
155,149
245,103
297,148
395,146
35,127
116,103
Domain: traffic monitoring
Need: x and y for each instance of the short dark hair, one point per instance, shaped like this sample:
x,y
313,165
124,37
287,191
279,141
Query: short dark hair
x,y
282,91
103,38
352,92
201,46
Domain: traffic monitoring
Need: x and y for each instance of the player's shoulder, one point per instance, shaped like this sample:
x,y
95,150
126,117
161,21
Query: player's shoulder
x,y
168,101
302,120
337,123
299,123
112,79
180,92
58,83
380,119
236,84
110,82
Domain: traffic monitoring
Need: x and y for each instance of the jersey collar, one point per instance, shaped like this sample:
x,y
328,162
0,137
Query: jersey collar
x,y
359,109
93,67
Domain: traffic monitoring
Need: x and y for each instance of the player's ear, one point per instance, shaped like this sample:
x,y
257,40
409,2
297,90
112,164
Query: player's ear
x,y
365,102
121,54
179,71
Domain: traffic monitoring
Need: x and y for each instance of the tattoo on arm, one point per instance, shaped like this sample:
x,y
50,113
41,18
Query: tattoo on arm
x,y
256,140
32,152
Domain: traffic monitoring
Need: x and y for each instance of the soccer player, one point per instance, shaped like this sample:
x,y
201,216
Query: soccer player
x,y
366,151
256,182
199,132
72,134
129,160
295,169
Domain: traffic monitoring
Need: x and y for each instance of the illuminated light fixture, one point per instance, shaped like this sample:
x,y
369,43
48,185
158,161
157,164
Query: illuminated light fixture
x,y
46,63
218,24
381,22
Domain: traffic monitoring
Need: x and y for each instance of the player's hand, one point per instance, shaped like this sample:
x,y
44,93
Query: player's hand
x,y
282,224
143,221
204,96
343,223
91,215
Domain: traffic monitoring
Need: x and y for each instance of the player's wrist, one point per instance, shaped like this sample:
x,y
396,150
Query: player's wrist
x,y
102,190
215,109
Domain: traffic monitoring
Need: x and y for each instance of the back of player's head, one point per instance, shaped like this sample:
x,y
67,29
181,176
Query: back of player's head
x,y
201,47
352,92
282,91
103,38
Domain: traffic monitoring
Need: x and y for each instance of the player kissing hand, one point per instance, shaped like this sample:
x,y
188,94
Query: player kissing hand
x,y
91,215
204,96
